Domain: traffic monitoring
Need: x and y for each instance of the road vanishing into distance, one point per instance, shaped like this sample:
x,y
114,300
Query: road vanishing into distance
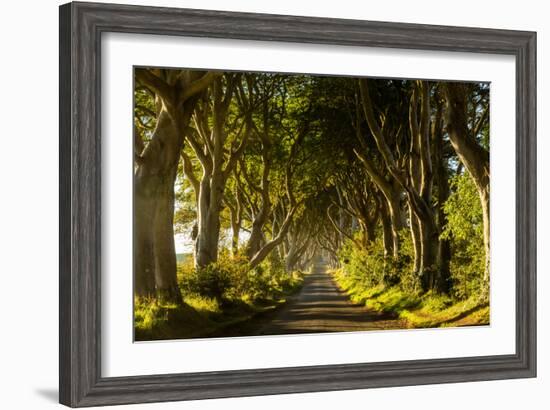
x,y
319,307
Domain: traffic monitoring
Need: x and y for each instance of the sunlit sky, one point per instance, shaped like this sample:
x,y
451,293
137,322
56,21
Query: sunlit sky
x,y
184,243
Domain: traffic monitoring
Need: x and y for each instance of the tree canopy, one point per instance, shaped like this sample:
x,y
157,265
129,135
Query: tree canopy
x,y
385,178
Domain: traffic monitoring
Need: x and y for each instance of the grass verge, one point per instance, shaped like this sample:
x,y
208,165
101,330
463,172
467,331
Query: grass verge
x,y
419,311
202,316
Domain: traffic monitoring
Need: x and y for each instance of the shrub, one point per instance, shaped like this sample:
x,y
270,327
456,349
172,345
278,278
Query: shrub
x,y
223,280
230,279
214,296
369,267
465,231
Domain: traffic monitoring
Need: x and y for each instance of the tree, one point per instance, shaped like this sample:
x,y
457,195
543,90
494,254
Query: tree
x,y
218,139
416,181
391,190
175,93
464,133
268,180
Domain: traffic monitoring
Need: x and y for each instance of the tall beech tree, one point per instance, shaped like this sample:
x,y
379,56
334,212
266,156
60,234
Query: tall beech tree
x,y
417,182
175,94
441,150
464,131
267,139
270,177
392,217
288,204
355,198
218,144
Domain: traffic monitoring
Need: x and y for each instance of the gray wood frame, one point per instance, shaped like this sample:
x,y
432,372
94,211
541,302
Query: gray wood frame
x,y
81,26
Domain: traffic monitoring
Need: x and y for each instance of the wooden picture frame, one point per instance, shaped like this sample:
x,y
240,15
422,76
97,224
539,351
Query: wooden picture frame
x,y
81,27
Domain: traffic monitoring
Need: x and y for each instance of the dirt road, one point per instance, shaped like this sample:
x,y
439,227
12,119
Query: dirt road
x,y
321,307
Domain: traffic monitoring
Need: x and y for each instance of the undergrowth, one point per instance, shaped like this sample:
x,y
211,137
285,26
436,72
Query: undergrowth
x,y
418,310
222,294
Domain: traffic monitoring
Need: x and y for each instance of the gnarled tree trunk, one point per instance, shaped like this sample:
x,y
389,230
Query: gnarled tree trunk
x,y
163,236
209,145
441,180
154,255
155,173
386,229
418,184
474,157
208,221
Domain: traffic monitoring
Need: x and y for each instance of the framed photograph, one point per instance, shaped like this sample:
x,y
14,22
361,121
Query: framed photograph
x,y
259,204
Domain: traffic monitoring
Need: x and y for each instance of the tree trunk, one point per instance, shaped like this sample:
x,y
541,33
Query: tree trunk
x,y
154,255
236,220
276,241
164,246
387,232
206,244
210,149
370,233
144,268
485,206
255,240
208,233
156,167
394,207
234,240
474,157
291,258
429,245
441,179
416,241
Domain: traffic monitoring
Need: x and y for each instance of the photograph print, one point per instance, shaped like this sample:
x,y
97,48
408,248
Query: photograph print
x,y
275,204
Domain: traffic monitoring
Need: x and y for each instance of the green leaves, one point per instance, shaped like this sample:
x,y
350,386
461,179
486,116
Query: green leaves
x,y
465,231
463,210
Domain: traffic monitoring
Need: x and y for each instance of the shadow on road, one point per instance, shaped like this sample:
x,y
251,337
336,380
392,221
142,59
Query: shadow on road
x,y
319,307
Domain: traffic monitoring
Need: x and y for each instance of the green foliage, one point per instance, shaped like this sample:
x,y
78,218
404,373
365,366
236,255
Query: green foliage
x,y
393,300
218,280
144,113
463,210
369,267
230,279
416,310
203,304
465,231
270,280
409,281
223,293
392,288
